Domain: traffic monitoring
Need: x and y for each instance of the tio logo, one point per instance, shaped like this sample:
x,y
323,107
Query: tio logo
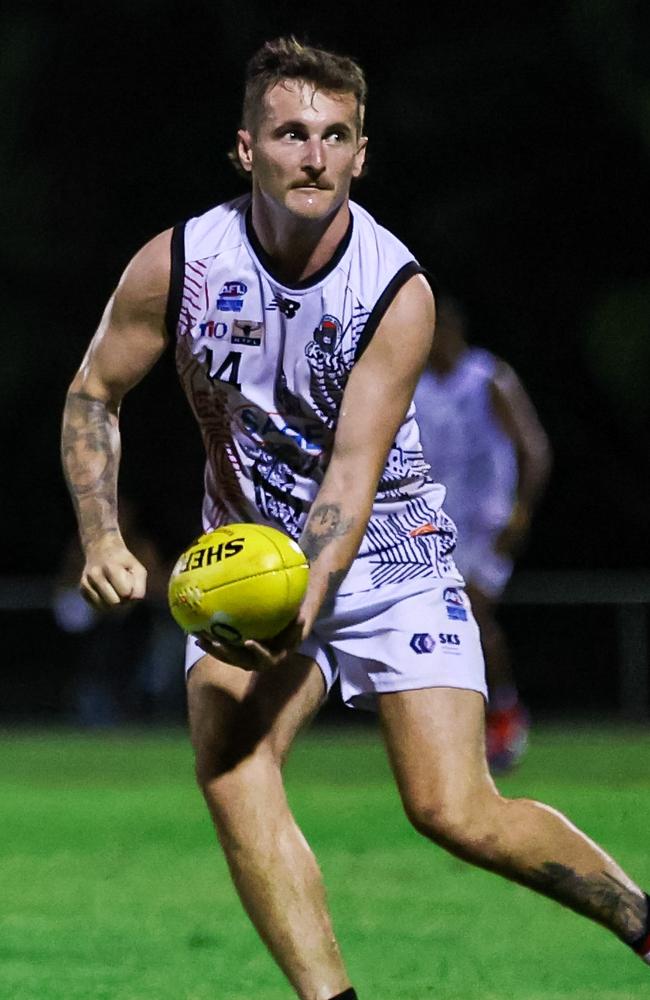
x,y
216,330
422,642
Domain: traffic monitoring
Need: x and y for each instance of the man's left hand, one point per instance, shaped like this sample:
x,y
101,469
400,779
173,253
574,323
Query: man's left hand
x,y
253,655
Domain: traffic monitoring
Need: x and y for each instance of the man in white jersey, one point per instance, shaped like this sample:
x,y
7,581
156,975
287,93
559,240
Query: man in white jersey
x,y
483,439
302,327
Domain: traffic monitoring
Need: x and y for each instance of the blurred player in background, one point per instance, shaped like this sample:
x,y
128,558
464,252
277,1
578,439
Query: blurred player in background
x,y
301,328
484,441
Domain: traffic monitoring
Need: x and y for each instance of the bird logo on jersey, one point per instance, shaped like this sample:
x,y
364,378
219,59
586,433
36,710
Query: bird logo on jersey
x,y
329,368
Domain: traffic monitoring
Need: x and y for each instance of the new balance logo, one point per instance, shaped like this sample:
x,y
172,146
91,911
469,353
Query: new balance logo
x,y
288,307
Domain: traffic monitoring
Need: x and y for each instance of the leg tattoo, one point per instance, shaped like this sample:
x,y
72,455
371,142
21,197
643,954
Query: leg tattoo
x,y
598,895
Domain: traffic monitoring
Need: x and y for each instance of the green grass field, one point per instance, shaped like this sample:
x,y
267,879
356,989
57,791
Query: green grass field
x,y
112,886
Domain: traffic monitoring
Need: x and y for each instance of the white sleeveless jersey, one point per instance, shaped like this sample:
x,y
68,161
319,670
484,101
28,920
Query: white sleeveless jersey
x,y
464,444
265,366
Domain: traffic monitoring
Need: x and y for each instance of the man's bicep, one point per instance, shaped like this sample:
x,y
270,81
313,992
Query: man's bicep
x,y
119,356
382,383
131,335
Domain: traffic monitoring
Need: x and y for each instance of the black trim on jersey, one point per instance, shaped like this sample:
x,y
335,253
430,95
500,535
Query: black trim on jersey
x,y
433,281
267,263
176,279
383,302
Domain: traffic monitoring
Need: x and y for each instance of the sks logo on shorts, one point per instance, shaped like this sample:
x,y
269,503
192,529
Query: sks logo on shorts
x,y
456,610
231,296
422,642
212,554
449,639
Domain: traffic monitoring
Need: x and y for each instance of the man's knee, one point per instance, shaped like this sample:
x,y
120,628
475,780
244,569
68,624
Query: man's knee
x,y
212,763
233,753
227,724
237,717
464,825
234,781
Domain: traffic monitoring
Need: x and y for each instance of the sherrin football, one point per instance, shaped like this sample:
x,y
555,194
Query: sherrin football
x,y
238,582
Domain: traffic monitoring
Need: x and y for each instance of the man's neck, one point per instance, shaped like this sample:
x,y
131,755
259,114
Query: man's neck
x,y
298,248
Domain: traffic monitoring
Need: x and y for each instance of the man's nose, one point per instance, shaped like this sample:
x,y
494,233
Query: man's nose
x,y
314,156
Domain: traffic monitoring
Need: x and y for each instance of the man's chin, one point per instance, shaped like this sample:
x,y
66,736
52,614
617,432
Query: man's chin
x,y
310,203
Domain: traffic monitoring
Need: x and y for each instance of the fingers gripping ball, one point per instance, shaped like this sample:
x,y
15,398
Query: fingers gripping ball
x,y
242,581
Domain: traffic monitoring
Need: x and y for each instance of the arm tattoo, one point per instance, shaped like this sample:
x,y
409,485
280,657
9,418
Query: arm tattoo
x,y
90,453
335,580
599,895
325,523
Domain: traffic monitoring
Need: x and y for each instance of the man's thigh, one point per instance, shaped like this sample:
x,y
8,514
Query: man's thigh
x,y
387,641
435,739
235,713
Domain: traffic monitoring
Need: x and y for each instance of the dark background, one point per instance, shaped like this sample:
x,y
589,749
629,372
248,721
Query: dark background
x,y
509,148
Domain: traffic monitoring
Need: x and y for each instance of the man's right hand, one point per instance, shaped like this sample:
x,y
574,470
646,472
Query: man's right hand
x,y
112,576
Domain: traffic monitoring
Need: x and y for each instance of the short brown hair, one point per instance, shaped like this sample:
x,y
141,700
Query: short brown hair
x,y
288,59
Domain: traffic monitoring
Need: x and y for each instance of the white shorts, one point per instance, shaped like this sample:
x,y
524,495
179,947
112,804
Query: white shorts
x,y
386,640
480,565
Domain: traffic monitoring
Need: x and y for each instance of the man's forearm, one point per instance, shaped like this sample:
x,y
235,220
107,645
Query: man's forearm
x,y
90,453
330,540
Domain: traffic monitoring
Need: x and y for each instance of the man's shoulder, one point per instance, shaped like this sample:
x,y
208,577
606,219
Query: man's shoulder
x,y
379,257
216,230
372,231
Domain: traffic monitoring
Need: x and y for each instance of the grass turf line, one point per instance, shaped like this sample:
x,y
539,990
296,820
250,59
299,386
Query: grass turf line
x,y
113,886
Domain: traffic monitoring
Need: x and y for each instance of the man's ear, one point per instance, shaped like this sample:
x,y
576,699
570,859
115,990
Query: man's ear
x,y
245,149
360,156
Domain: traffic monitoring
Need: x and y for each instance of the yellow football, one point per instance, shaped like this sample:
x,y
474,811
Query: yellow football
x,y
242,581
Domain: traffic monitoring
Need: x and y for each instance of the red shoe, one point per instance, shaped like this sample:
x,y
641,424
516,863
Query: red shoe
x,y
506,737
642,948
